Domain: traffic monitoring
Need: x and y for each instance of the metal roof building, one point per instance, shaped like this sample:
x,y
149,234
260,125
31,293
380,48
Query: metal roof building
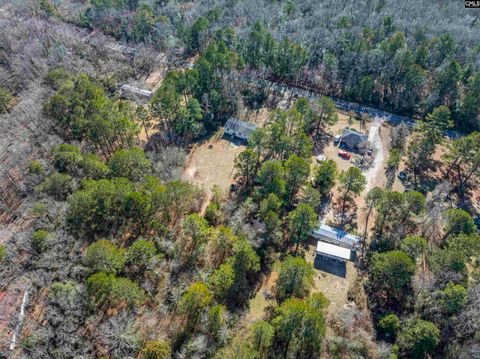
x,y
332,251
336,236
136,91
239,128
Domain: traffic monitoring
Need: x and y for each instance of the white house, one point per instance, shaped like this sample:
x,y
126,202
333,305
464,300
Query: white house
x,y
329,250
238,128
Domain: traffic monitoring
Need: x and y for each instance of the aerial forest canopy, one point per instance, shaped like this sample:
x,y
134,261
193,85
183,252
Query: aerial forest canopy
x,y
239,179
407,57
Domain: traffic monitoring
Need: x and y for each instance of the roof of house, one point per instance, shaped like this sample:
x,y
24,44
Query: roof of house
x,y
136,91
335,234
333,250
240,126
351,135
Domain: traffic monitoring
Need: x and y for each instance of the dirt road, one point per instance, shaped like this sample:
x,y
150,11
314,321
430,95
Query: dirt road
x,y
375,171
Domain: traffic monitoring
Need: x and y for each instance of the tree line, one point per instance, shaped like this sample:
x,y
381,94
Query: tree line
x,y
383,64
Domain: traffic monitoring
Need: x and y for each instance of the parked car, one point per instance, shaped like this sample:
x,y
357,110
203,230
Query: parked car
x,y
321,158
336,140
402,175
344,154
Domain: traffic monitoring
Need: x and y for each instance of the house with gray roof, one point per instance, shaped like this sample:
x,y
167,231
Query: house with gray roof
x,y
352,139
238,128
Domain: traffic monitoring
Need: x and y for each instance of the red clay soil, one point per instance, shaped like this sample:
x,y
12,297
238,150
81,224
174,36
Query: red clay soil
x,y
9,303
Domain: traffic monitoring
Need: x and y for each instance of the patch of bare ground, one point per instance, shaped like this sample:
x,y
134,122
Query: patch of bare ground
x,y
259,117
436,173
155,77
212,163
346,120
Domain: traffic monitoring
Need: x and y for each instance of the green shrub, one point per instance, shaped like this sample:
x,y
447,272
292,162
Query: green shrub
x,y
58,185
414,246
109,288
221,280
39,209
67,158
295,278
394,159
455,297
391,271
212,214
418,339
48,8
126,291
390,324
5,98
104,256
216,320
140,253
55,78
39,238
94,168
59,290
3,253
130,163
35,167
156,349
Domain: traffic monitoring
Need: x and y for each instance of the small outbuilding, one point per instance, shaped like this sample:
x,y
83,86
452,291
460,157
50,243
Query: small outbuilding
x,y
352,139
238,128
336,236
131,90
329,250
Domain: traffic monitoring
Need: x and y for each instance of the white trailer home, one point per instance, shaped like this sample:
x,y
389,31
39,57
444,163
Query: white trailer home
x,y
135,91
329,250
336,236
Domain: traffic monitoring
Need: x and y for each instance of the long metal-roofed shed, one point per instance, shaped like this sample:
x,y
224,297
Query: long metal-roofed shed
x,y
127,89
336,236
238,128
332,251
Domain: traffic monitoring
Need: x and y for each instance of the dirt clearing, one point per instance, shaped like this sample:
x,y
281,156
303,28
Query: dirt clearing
x,y
212,162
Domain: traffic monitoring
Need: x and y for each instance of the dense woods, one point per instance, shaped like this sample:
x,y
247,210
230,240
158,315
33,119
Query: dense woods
x,y
123,257
379,53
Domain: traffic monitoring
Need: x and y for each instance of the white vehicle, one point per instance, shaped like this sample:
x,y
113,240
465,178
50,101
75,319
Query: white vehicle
x,y
321,158
336,139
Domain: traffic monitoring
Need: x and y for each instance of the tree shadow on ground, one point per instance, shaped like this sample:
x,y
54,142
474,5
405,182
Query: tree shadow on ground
x,y
322,141
349,221
234,140
428,180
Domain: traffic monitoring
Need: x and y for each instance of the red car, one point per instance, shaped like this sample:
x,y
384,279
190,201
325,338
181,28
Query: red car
x,y
344,154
